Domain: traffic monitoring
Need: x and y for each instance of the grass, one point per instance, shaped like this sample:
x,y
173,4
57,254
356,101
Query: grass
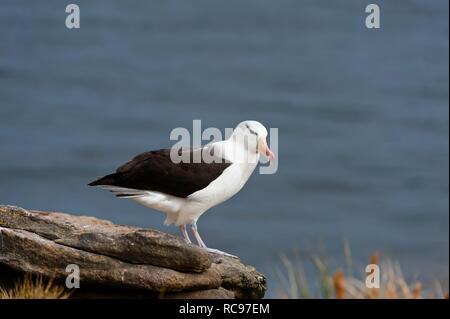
x,y
342,283
35,288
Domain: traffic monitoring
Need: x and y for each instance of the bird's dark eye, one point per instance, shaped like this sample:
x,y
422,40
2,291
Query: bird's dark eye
x,y
251,131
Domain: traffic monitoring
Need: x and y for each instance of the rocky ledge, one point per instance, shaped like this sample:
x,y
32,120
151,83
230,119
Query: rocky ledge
x,y
116,260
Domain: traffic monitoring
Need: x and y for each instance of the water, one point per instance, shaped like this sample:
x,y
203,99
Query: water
x,y
362,116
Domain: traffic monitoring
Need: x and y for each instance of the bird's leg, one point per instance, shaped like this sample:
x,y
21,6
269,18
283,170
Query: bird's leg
x,y
197,235
202,244
185,234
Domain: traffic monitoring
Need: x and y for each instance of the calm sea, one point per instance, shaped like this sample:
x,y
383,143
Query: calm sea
x,y
362,117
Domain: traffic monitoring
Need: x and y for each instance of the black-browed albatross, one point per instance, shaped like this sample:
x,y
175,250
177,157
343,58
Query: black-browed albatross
x,y
185,190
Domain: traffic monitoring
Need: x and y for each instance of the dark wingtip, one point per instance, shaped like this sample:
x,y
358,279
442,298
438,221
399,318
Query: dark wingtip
x,y
98,181
94,183
105,180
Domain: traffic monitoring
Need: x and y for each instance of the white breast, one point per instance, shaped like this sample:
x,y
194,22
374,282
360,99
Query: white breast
x,y
228,184
182,211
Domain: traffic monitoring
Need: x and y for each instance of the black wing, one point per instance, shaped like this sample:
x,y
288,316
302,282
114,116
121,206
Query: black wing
x,y
155,171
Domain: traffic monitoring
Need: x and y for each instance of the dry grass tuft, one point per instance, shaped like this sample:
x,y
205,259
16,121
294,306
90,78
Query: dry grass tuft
x,y
339,284
344,285
374,258
35,288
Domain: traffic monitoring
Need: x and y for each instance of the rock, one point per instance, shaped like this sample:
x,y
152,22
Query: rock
x,y
244,280
30,253
114,259
219,293
130,244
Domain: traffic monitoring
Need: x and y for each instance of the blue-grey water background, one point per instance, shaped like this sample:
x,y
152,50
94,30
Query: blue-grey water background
x,y
362,117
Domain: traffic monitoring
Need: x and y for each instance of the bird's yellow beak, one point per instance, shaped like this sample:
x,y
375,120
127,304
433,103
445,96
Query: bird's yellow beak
x,y
265,150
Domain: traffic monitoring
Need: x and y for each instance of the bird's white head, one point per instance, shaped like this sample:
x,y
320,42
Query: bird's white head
x,y
252,135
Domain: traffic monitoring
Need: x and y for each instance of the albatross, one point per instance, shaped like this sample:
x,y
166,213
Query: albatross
x,y
203,178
